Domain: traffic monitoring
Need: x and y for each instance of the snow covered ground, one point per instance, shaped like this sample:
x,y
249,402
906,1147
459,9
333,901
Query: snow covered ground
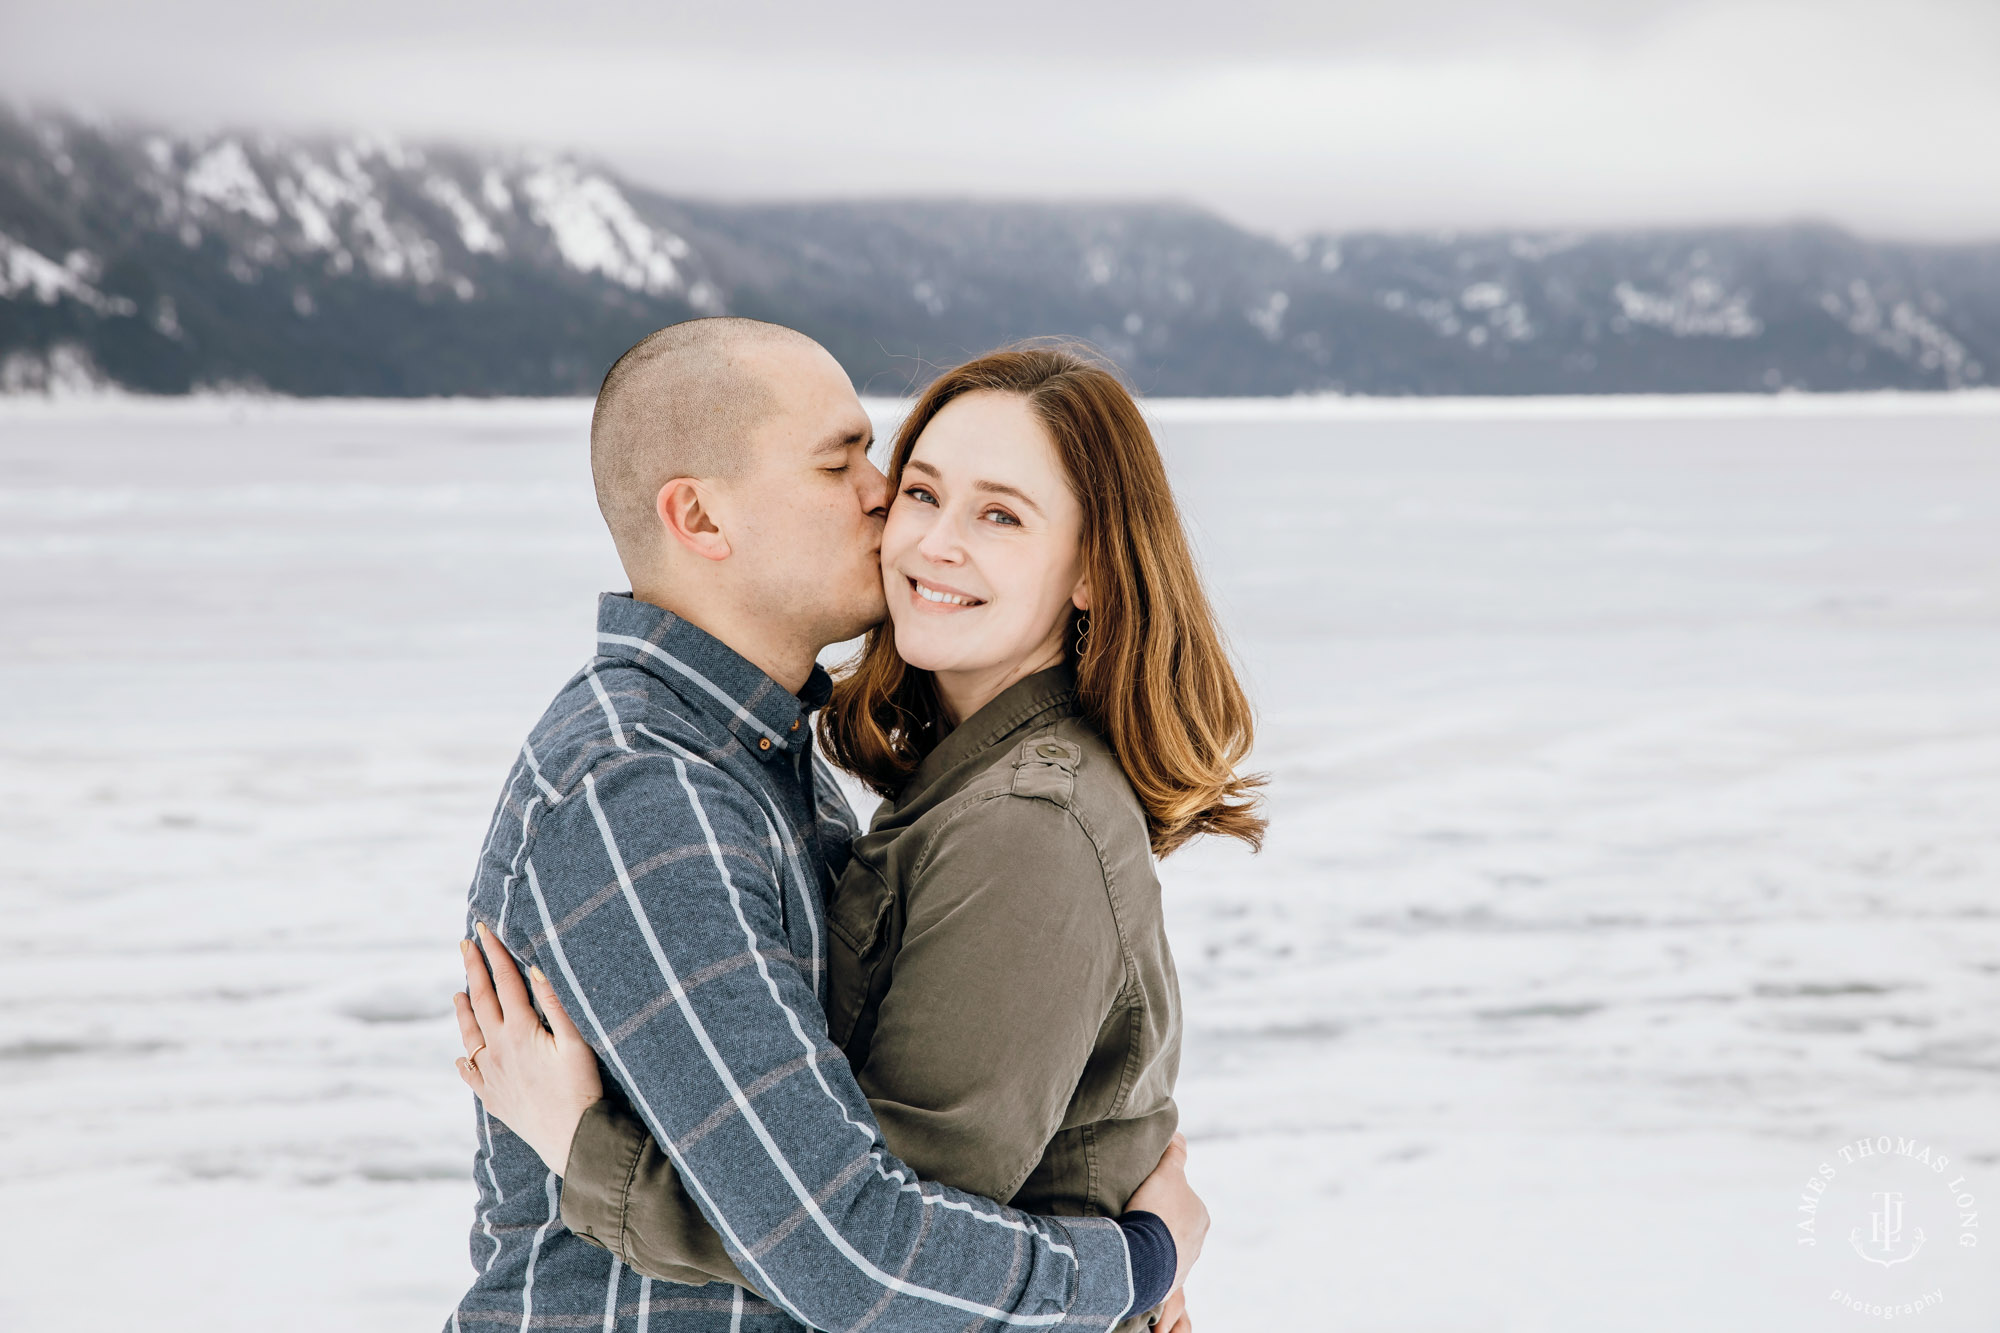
x,y
1636,846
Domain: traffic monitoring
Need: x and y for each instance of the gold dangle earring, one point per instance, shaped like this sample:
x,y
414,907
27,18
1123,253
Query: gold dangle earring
x,y
1082,633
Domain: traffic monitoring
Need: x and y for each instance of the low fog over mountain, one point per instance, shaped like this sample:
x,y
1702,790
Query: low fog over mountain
x,y
164,263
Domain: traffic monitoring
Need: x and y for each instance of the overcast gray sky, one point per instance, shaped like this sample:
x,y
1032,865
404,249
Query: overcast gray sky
x,y
1289,115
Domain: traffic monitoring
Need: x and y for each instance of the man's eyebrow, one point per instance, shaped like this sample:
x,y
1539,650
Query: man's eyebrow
x,y
840,444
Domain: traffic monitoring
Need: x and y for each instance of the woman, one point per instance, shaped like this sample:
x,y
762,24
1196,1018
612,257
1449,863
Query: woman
x,y
1047,708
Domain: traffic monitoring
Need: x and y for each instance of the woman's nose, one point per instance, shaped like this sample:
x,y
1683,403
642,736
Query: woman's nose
x,y
941,545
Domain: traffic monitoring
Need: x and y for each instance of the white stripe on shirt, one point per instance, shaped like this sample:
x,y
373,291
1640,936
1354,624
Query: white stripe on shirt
x,y
610,713
710,687
528,754
611,1296
535,1253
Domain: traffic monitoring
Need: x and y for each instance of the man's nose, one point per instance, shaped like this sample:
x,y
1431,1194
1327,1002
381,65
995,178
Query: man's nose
x,y
874,490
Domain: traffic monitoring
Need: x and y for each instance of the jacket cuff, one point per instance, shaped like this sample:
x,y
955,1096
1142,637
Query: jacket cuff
x,y
1103,1272
597,1179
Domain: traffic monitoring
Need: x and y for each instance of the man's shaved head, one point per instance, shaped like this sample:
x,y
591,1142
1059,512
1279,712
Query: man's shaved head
x,y
731,460
683,402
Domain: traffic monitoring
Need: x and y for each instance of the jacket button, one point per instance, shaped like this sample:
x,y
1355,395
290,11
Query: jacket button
x,y
764,742
795,724
1051,752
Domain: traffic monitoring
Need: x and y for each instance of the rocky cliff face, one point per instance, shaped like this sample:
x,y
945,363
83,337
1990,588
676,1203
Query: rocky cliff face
x,y
138,258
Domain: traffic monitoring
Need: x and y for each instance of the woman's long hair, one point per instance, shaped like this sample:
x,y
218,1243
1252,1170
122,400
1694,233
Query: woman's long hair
x,y
1153,677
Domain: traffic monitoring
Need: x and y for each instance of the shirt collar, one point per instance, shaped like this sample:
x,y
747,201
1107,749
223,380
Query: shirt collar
x,y
711,676
1024,702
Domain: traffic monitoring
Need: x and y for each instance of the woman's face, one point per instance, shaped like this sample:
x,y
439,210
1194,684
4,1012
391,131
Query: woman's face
x,y
982,555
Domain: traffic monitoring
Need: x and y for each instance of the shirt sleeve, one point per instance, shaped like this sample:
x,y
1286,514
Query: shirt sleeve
x,y
661,892
1155,1257
620,1192
1009,906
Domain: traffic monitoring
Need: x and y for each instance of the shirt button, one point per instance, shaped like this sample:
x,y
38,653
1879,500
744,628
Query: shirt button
x,y
764,743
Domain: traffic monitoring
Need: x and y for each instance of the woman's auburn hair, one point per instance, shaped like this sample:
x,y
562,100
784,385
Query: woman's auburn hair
x,y
1153,676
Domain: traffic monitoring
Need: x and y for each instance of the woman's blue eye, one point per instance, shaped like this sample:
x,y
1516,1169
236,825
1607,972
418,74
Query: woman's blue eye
x,y
920,495
1002,516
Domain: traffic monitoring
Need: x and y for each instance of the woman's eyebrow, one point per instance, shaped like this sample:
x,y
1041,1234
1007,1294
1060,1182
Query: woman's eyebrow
x,y
990,487
1000,488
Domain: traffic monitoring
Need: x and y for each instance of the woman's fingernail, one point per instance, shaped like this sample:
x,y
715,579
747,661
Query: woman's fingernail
x,y
480,926
465,948
539,975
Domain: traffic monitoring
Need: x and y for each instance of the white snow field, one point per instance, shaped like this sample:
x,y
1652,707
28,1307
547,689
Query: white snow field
x,y
1636,846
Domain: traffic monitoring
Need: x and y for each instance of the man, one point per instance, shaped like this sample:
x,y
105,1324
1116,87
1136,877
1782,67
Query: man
x,y
662,852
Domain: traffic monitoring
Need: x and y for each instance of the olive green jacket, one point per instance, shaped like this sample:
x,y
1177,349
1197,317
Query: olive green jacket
x,y
998,975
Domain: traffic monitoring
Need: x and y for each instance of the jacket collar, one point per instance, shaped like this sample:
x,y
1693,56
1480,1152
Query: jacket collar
x,y
1027,701
711,677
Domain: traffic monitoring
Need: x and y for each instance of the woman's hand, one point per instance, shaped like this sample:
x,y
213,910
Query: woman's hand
x,y
1167,1194
536,1080
1174,1315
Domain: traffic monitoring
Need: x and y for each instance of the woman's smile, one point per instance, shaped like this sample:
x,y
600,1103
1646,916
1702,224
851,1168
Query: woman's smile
x,y
937,597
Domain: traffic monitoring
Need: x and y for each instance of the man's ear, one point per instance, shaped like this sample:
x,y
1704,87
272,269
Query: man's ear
x,y
685,511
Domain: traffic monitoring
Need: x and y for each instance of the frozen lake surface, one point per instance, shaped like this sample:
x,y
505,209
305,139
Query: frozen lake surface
x,y
1636,846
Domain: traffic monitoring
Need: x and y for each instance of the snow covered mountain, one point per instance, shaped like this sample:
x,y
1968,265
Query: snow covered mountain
x,y
160,262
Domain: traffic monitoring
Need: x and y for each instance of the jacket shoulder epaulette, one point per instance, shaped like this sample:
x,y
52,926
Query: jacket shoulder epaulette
x,y
1045,768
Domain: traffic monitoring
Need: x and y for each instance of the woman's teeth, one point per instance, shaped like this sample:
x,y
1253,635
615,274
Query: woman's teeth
x,y
944,597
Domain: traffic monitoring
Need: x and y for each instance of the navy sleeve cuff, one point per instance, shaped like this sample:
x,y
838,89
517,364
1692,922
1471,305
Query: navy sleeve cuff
x,y
1153,1259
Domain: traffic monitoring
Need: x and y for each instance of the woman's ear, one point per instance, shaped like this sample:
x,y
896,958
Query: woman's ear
x,y
685,511
1079,596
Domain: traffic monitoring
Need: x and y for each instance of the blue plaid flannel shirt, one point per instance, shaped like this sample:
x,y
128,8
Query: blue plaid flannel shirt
x,y
663,849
